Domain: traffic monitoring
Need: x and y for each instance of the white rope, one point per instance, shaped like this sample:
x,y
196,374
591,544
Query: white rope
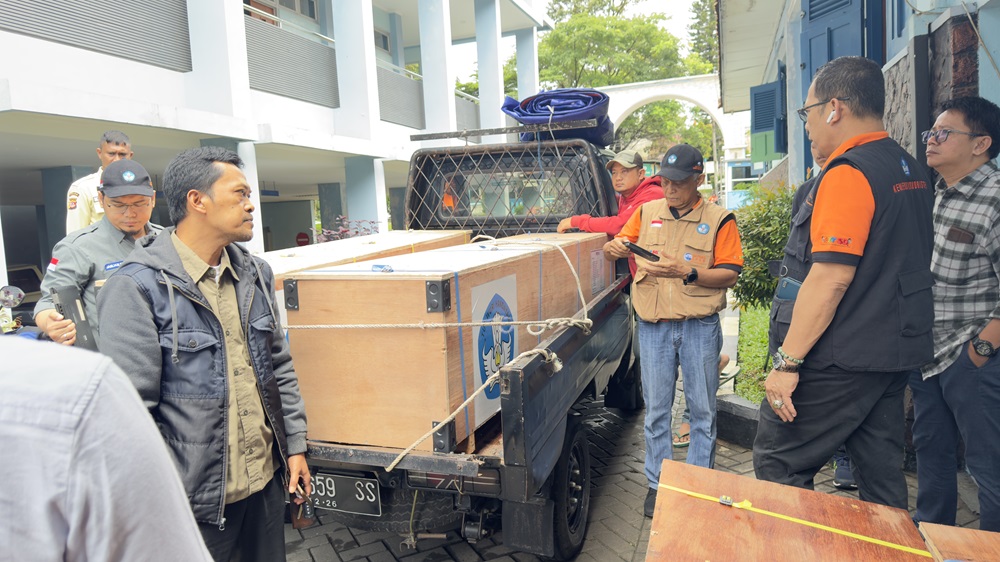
x,y
549,357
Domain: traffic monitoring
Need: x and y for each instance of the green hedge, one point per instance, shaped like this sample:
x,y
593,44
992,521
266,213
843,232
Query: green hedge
x,y
764,223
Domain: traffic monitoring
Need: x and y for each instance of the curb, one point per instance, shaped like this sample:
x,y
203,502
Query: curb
x,y
737,420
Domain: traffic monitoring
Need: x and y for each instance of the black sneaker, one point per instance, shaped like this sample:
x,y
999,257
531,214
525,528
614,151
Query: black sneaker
x,y
650,504
842,477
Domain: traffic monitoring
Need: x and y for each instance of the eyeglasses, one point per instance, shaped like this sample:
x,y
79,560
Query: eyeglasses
x,y
122,208
804,112
941,135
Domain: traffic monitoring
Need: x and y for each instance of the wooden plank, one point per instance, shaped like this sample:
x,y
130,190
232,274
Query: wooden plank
x,y
690,528
385,387
956,543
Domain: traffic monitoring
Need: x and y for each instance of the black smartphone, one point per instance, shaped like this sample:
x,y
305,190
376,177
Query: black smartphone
x,y
640,251
69,303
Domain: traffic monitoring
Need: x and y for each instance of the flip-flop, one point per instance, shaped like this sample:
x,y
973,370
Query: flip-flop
x,y
677,440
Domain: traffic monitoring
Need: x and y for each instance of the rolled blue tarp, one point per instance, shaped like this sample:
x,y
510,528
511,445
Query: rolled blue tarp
x,y
564,104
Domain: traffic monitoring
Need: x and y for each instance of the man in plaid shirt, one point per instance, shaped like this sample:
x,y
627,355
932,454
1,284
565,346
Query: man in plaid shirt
x,y
958,393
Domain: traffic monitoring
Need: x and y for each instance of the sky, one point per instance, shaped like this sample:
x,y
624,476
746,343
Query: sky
x,y
464,56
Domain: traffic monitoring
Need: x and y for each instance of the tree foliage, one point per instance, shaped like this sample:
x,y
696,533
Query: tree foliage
x,y
561,10
703,34
509,80
764,224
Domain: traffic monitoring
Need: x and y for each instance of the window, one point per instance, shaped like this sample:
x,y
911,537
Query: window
x,y
382,40
305,7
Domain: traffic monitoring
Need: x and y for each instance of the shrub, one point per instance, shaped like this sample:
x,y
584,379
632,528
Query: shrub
x,y
764,223
752,352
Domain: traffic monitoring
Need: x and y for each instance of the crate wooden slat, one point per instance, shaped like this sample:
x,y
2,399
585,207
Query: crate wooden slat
x,y
385,387
956,543
685,528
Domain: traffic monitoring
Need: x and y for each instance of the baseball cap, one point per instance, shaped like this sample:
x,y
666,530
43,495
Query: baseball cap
x,y
125,177
627,158
681,162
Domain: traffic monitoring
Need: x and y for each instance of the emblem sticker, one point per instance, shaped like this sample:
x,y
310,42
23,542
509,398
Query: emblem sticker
x,y
687,257
128,175
703,228
496,343
906,167
671,159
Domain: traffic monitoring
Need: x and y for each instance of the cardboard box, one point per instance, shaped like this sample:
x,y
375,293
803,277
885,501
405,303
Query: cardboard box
x,y
351,250
387,386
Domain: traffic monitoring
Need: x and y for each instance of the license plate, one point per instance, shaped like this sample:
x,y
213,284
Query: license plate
x,y
346,494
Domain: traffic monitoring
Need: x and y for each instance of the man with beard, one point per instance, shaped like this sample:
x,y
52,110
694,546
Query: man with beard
x,y
190,318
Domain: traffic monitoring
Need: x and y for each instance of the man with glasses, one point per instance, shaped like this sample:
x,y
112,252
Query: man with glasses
x,y
678,298
83,203
628,177
958,393
854,295
86,257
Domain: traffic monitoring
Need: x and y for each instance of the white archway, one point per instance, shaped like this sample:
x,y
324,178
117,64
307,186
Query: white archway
x,y
702,91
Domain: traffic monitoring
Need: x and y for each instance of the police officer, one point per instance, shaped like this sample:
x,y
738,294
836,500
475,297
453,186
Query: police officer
x,y
83,202
85,258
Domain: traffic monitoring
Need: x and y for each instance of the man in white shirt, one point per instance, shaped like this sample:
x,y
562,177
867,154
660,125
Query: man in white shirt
x,y
83,208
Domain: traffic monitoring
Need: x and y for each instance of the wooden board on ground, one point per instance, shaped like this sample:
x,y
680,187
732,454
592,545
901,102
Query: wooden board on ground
x,y
386,386
692,528
956,543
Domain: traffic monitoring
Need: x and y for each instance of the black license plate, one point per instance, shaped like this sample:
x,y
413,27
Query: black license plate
x,y
346,494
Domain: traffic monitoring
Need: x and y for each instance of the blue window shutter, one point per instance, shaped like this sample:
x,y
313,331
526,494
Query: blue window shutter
x,y
781,117
763,107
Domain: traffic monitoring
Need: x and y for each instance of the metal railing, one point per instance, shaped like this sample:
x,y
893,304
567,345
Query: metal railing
x,y
399,70
285,23
466,96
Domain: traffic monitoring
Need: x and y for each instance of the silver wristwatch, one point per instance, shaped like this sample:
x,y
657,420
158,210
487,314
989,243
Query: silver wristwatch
x,y
781,365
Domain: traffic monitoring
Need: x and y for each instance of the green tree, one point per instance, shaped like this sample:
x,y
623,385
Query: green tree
x,y
592,51
509,80
703,32
764,225
561,10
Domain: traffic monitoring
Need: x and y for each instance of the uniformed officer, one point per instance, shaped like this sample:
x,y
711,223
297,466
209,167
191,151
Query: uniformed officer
x,y
83,204
85,258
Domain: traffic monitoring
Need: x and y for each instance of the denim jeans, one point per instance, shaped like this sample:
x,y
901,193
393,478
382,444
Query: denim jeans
x,y
694,345
963,399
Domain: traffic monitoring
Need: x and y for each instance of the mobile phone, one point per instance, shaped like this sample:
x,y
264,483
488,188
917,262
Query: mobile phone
x,y
640,251
788,288
69,303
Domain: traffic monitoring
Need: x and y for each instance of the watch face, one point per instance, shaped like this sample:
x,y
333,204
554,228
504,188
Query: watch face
x,y
983,347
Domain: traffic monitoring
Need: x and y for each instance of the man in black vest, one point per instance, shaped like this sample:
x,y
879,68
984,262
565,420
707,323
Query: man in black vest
x,y
854,308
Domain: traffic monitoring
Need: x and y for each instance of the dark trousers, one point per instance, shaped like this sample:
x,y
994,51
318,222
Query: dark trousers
x,y
254,528
864,411
963,399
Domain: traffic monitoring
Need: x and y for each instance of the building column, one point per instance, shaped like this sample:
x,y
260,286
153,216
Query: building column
x,y
365,179
220,79
396,39
989,76
248,153
527,62
353,28
490,66
52,217
435,65
331,205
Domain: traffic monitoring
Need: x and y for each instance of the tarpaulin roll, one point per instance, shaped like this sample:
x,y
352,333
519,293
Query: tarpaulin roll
x,y
564,104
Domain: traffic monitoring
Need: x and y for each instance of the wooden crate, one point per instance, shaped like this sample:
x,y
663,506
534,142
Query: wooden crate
x,y
690,528
956,543
387,386
351,250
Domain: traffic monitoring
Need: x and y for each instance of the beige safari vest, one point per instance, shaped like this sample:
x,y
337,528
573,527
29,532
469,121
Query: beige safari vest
x,y
691,239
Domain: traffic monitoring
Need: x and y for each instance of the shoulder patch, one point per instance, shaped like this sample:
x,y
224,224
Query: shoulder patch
x,y
72,202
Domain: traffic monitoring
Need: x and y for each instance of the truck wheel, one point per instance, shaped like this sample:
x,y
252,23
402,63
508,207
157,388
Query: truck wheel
x,y
435,512
571,492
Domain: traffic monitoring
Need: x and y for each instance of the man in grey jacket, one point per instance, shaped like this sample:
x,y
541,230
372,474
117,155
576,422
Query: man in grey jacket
x,y
190,318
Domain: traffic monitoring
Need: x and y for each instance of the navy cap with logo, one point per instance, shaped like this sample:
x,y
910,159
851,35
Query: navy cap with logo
x,y
681,162
125,177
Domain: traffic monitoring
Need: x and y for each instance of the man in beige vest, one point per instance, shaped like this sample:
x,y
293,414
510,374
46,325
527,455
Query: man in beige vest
x,y
678,299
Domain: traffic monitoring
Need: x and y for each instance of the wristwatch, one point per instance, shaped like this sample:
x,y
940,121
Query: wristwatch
x,y
779,363
983,348
691,277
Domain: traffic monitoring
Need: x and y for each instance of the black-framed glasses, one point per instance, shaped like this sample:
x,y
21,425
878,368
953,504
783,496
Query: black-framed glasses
x,y
804,111
122,208
941,135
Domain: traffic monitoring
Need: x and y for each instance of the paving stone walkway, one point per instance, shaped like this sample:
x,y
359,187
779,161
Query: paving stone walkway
x,y
617,528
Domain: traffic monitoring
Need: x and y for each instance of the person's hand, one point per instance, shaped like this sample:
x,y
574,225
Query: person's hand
x,y
779,387
667,267
298,471
565,224
977,359
616,249
57,328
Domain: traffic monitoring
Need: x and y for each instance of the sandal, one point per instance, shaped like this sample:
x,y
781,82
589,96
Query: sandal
x,y
678,444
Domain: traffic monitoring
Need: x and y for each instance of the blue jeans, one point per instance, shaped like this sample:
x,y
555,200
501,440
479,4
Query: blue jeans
x,y
694,345
964,399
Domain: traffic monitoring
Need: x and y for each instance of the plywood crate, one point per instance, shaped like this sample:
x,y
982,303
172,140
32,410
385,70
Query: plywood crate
x,y
386,386
351,250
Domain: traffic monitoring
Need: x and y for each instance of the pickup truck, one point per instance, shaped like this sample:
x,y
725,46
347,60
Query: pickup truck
x,y
530,470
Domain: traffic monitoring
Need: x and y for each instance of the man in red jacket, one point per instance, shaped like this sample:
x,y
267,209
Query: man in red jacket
x,y
633,188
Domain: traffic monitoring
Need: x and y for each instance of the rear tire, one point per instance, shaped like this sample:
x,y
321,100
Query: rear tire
x,y
571,492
